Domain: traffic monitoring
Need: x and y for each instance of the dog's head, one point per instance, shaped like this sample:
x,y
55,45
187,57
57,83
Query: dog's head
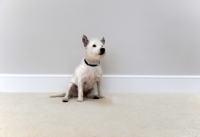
x,y
94,48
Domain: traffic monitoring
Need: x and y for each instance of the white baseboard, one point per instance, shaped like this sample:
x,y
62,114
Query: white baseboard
x,y
110,83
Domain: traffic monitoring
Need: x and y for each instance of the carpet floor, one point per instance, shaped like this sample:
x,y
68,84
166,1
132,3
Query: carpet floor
x,y
116,115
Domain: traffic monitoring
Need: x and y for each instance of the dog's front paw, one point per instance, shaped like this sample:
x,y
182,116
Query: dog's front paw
x,y
96,97
80,100
65,99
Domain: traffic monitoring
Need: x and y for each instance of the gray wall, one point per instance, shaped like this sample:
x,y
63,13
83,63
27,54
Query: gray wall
x,y
143,37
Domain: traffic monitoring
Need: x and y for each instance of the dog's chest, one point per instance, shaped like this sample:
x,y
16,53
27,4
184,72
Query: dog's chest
x,y
91,75
88,82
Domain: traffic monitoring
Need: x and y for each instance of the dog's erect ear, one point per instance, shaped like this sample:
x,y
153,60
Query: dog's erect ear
x,y
85,40
103,40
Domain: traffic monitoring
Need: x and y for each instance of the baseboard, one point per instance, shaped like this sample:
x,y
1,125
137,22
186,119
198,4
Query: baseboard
x,y
110,83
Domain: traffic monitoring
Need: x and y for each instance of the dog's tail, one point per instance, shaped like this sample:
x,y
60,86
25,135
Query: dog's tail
x,y
58,95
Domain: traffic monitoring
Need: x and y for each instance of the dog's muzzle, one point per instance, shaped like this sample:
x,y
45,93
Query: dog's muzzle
x,y
102,51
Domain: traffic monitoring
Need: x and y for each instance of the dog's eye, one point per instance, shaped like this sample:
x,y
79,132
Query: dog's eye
x,y
94,45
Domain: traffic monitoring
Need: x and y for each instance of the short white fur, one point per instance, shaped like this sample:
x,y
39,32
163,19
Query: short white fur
x,y
85,76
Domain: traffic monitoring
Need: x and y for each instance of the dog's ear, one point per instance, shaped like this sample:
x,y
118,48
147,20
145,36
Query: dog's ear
x,y
85,40
103,40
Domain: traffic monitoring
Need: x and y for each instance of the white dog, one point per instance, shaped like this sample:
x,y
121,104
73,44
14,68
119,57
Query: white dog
x,y
88,73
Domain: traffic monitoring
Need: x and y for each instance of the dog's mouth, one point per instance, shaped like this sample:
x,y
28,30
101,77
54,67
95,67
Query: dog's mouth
x,y
101,53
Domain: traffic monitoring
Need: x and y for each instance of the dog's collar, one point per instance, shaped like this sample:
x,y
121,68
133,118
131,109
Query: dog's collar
x,y
91,64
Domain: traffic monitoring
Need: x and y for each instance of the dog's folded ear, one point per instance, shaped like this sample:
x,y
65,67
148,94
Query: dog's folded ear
x,y
85,40
103,40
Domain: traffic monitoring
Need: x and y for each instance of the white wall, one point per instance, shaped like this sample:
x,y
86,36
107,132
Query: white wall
x,y
143,37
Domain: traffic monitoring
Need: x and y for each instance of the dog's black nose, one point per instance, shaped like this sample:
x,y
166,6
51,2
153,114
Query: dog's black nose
x,y
102,51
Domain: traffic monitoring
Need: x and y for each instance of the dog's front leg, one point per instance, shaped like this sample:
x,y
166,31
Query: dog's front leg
x,y
80,91
99,89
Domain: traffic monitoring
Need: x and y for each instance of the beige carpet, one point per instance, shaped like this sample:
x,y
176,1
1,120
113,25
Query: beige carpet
x,y
117,115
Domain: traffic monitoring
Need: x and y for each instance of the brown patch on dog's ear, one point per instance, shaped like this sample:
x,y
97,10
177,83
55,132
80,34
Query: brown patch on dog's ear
x,y
85,41
103,40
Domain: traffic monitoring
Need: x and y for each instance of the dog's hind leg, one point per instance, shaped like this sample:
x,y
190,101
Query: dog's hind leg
x,y
67,95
